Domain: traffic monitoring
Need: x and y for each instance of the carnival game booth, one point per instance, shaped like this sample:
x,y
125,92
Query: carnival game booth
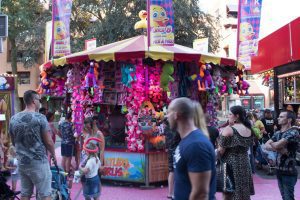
x,y
278,61
128,86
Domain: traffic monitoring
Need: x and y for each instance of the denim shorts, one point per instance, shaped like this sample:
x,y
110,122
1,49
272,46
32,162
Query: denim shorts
x,y
91,187
37,174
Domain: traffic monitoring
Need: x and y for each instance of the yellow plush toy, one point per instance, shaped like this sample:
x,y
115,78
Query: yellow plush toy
x,y
165,77
143,22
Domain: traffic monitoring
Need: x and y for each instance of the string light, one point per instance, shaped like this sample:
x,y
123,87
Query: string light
x,y
8,75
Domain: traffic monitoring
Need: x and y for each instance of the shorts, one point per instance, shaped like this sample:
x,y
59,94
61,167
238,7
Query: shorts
x,y
37,174
68,150
91,187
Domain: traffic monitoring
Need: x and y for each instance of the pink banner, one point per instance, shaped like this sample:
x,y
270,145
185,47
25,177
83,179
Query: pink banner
x,y
61,14
248,30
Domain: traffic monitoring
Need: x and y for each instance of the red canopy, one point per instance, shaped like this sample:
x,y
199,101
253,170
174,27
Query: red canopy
x,y
279,48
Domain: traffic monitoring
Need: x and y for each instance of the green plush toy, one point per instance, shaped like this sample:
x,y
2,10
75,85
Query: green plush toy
x,y
166,77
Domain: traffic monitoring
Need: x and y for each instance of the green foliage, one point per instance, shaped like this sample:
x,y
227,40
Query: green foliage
x,y
26,29
113,20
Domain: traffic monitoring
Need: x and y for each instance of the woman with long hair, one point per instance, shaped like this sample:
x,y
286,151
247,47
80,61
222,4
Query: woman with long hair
x,y
199,118
91,130
234,142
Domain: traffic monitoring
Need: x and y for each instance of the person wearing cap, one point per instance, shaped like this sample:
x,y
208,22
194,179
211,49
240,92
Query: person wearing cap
x,y
270,125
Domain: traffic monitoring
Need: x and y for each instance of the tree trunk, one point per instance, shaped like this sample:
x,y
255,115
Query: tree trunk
x,y
14,68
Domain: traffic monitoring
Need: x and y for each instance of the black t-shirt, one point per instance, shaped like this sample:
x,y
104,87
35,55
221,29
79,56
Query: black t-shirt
x,y
195,153
213,134
269,124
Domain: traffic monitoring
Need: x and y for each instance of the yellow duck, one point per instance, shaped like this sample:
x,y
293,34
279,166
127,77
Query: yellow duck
x,y
143,22
159,16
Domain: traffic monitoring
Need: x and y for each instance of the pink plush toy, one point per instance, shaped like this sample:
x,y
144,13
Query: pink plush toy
x,y
133,102
78,119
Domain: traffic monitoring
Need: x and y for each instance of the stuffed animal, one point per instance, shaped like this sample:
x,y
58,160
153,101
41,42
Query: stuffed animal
x,y
90,79
126,71
143,22
243,86
165,77
209,83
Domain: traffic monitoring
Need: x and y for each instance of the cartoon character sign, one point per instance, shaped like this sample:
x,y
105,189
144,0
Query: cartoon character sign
x,y
246,31
60,30
158,16
161,23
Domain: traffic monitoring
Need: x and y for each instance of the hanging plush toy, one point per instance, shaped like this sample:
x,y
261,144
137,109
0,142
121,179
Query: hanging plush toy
x,y
166,76
126,71
209,83
78,118
143,22
90,79
199,78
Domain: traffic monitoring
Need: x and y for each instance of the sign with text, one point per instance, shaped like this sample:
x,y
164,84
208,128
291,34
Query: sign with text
x,y
61,14
201,45
124,166
90,44
248,30
161,22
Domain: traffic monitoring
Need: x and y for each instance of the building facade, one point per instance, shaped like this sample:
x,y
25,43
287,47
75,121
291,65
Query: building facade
x,y
28,78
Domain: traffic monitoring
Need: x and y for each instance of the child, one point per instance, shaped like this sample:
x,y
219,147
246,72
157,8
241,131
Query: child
x,y
90,180
12,165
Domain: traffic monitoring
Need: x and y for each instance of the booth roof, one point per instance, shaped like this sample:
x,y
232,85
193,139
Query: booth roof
x,y
136,47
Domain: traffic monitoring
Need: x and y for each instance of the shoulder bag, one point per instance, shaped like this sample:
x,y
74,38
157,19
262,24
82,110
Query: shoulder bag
x,y
225,179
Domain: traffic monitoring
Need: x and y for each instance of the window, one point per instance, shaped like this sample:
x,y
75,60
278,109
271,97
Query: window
x,y
23,77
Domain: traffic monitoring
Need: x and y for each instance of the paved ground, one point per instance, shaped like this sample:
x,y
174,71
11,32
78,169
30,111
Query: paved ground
x,y
265,188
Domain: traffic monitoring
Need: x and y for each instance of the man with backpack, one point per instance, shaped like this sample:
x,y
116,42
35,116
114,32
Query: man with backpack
x,y
285,143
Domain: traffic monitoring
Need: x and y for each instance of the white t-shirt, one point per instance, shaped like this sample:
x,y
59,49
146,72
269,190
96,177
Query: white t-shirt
x,y
93,167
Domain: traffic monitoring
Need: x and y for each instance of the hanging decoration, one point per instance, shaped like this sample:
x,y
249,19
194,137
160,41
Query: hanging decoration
x,y
133,102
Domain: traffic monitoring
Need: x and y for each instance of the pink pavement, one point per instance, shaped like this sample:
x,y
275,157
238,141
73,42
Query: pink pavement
x,y
265,189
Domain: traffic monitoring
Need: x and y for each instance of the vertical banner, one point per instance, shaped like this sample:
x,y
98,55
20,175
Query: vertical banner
x,y
248,30
61,14
161,30
48,39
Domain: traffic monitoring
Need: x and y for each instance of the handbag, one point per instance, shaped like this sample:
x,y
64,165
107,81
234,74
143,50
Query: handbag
x,y
225,179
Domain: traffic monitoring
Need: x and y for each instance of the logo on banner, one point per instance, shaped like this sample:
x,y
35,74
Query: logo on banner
x,y
249,24
61,12
161,23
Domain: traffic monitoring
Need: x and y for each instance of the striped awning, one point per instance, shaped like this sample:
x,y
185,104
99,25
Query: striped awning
x,y
136,47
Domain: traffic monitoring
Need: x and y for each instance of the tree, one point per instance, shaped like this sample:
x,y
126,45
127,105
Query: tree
x,y
113,20
26,20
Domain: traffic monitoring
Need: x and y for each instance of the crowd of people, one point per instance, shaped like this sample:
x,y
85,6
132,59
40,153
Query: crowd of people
x,y
241,140
193,149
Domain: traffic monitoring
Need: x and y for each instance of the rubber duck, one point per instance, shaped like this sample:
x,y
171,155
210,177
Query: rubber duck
x,y
143,22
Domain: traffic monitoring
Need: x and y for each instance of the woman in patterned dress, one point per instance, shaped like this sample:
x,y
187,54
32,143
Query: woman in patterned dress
x,y
234,142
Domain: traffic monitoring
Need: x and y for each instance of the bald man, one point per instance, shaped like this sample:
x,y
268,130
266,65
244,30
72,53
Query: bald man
x,y
194,158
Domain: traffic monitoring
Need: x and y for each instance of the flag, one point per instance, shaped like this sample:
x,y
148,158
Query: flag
x,y
161,21
61,14
248,30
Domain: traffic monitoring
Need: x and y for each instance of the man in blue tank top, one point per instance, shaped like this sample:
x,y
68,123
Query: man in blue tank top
x,y
194,158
